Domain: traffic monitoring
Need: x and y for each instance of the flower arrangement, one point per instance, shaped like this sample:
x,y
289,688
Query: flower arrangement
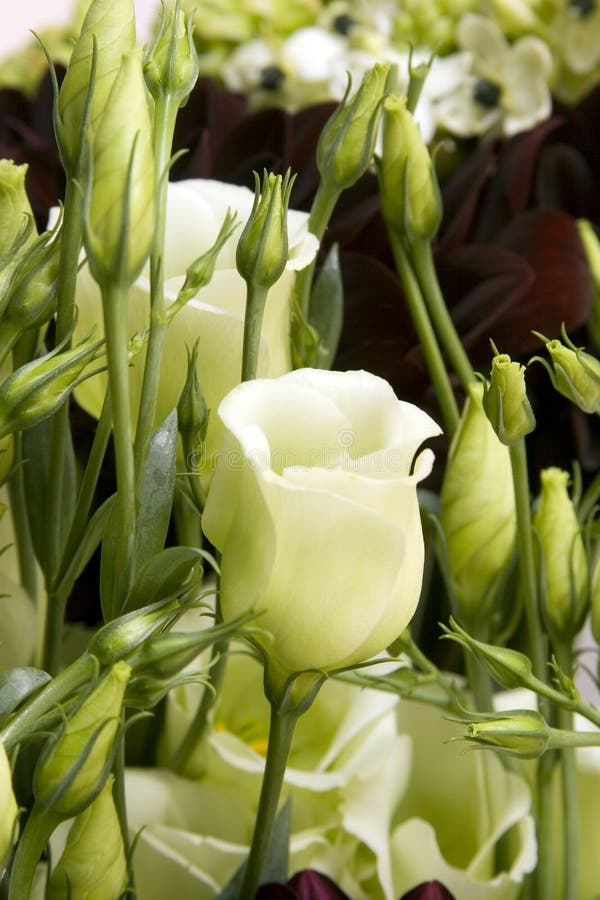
x,y
299,454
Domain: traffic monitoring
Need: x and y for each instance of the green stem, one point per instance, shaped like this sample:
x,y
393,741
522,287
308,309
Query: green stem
x,y
68,681
56,605
569,792
198,728
32,843
426,335
165,115
280,740
121,807
422,260
18,508
538,654
256,298
114,297
320,214
589,499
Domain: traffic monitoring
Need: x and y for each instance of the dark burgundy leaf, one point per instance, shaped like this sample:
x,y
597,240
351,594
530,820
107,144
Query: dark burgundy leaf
x,y
429,890
311,885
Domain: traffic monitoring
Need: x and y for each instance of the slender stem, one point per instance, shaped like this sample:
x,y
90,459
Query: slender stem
x,y
121,807
589,499
53,632
569,792
422,260
198,727
164,119
426,335
32,843
256,298
320,214
280,740
114,297
538,654
18,508
68,681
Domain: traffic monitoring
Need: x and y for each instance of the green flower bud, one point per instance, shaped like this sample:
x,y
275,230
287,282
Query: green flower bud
x,y
521,732
93,864
509,668
72,768
410,195
346,144
200,272
192,414
171,68
32,302
8,807
595,600
574,373
262,250
563,562
505,400
119,222
478,515
35,391
122,636
111,24
591,245
14,203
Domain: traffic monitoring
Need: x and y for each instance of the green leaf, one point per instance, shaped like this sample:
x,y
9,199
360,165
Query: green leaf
x,y
93,534
16,685
108,602
164,576
326,313
156,496
276,865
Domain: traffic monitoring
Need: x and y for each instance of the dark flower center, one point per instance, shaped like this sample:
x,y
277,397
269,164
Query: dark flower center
x,y
271,77
583,8
487,93
343,23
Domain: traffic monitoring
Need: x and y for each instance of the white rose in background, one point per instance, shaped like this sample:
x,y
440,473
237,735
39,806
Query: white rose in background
x,y
195,212
464,820
320,466
347,770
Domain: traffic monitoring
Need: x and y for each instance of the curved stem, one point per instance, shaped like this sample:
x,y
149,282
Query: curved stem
x,y
280,739
164,118
199,725
256,298
426,335
18,509
320,214
422,259
569,793
40,825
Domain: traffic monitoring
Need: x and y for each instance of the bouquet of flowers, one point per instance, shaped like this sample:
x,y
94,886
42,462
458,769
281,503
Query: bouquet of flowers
x,y
299,453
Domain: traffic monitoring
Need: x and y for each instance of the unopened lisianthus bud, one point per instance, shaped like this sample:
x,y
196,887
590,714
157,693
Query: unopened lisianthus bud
x,y
563,562
508,667
8,807
595,600
521,732
119,224
505,400
575,374
477,510
110,24
14,204
192,414
93,864
410,195
122,636
35,391
346,144
262,250
171,68
32,298
72,768
591,245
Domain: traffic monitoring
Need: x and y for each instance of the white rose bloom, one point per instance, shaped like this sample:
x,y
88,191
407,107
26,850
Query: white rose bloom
x,y
314,508
195,212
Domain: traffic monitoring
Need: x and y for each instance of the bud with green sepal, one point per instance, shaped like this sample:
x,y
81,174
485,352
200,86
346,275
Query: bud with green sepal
x,y
119,201
508,667
574,373
192,422
595,600
505,399
200,272
346,144
93,863
563,567
120,637
108,31
36,390
15,208
410,195
522,733
8,808
171,67
591,245
73,766
261,256
477,514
